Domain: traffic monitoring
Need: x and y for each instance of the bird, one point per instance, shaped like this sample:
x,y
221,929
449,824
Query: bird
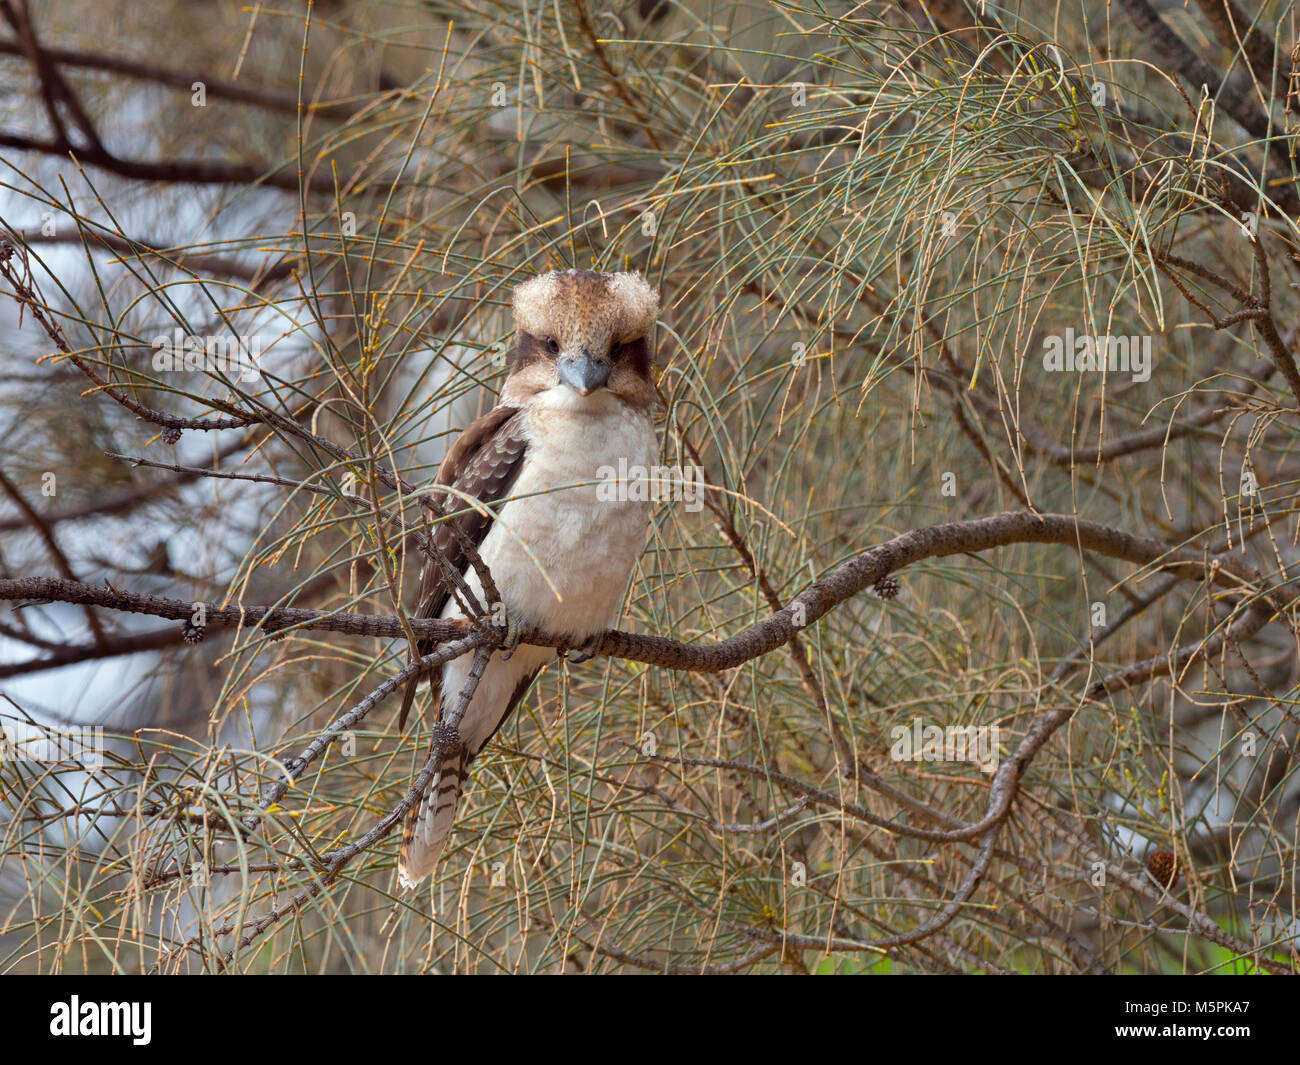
x,y
579,396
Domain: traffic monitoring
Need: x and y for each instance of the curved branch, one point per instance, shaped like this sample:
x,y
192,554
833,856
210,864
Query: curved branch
x,y
819,598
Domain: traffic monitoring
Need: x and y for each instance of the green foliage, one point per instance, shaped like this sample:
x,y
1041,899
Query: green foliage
x,y
865,230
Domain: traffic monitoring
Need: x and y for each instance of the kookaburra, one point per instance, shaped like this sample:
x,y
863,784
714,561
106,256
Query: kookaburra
x,y
578,396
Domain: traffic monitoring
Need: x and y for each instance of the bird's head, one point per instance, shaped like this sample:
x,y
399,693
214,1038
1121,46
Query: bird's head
x,y
583,336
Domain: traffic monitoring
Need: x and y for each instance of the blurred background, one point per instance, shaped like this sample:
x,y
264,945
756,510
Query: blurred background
x,y
875,227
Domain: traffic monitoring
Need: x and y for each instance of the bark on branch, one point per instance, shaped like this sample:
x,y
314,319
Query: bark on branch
x,y
819,598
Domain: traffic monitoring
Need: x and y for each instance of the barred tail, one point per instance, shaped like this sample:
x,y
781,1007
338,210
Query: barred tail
x,y
429,823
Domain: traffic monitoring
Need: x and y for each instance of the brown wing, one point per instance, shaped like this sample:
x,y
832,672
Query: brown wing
x,y
483,463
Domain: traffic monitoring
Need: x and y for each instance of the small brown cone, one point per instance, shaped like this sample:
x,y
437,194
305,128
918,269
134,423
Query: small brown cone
x,y
1163,865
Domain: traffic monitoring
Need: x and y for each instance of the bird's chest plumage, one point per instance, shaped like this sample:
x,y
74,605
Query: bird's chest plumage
x,y
563,547
560,550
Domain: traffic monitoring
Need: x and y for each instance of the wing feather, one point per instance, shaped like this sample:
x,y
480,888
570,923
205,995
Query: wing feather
x,y
483,463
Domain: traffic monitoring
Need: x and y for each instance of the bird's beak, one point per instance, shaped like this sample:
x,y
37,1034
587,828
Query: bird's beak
x,y
582,373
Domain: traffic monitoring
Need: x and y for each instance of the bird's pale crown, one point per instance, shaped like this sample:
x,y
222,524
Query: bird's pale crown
x,y
581,309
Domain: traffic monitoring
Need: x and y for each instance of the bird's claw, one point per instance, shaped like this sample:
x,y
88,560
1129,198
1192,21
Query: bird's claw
x,y
590,648
509,638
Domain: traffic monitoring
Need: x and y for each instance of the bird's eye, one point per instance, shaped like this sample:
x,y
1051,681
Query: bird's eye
x,y
616,349
550,343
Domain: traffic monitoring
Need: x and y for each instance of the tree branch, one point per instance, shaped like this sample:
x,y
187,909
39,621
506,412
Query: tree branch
x,y
819,598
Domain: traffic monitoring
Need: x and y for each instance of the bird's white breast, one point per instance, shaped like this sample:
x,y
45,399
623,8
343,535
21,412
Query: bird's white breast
x,y
560,550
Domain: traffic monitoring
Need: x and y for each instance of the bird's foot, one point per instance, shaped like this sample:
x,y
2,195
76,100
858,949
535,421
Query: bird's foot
x,y
590,648
509,639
